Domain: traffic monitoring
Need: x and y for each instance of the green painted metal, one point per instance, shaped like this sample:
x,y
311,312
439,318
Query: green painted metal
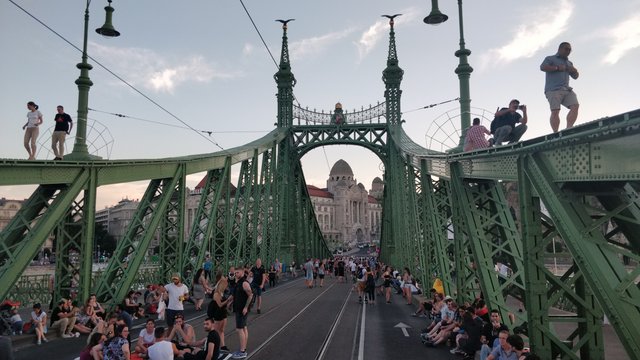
x,y
600,261
21,240
430,198
131,250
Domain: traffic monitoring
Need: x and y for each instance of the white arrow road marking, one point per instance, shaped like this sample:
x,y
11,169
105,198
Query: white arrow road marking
x,y
403,327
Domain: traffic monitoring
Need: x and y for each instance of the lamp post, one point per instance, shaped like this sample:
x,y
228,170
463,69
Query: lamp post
x,y
463,70
80,151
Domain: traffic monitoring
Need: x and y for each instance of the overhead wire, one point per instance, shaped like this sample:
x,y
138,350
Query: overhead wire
x,y
176,126
209,139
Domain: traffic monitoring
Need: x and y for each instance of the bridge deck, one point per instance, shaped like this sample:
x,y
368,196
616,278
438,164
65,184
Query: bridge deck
x,y
320,323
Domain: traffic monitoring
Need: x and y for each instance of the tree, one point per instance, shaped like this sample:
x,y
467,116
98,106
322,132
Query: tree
x,y
104,240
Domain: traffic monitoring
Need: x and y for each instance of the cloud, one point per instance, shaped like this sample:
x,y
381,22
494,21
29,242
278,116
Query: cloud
x,y
247,49
316,45
529,38
372,36
144,67
624,38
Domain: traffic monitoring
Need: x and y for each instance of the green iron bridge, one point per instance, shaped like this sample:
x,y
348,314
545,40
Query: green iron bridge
x,y
581,185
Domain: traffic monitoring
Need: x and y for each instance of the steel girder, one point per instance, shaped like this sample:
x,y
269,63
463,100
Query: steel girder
x,y
372,136
263,208
203,221
487,232
21,240
584,229
438,210
545,289
171,234
122,270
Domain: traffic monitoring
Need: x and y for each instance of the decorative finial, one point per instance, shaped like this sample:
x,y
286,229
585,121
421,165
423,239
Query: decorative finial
x,y
391,17
284,22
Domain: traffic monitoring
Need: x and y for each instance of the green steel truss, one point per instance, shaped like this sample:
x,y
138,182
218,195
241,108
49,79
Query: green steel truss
x,y
444,213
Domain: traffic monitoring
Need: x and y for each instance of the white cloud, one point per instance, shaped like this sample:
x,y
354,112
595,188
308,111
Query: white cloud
x,y
529,38
376,32
624,38
247,49
316,45
370,38
152,70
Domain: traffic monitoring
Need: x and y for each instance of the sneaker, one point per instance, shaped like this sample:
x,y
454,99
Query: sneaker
x,y
66,336
76,334
258,311
454,350
39,342
225,350
239,355
414,315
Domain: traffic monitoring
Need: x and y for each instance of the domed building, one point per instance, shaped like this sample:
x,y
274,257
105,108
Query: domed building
x,y
347,214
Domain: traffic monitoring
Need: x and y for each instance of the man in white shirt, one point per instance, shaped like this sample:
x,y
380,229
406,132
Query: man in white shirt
x,y
177,292
163,349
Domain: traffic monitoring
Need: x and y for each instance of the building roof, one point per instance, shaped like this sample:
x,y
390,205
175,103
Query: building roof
x,y
341,168
317,192
377,180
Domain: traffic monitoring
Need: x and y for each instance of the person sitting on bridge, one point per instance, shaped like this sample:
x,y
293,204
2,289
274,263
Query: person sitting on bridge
x,y
491,333
63,319
162,349
474,139
182,334
338,117
503,126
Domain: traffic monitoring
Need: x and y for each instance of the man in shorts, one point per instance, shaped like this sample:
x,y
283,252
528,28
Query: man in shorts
x,y
558,70
241,300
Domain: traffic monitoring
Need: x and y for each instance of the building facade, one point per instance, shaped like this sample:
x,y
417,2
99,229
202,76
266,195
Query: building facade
x,y
116,219
347,213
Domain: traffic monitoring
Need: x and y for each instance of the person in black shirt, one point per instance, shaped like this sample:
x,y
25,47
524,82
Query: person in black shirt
x,y
64,124
503,126
241,300
210,344
257,285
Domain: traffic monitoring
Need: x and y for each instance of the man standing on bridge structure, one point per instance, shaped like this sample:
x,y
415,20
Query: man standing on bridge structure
x,y
241,300
558,69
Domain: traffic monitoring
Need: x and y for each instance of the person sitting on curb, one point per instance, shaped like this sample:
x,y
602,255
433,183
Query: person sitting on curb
x,y
63,319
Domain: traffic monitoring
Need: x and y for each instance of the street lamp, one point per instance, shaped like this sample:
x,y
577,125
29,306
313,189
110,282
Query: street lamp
x,y
84,83
463,70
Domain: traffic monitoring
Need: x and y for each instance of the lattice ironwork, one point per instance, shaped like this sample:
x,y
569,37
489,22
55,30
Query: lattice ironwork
x,y
374,114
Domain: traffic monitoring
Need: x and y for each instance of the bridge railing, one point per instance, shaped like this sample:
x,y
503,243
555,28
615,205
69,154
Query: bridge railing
x,y
372,114
34,288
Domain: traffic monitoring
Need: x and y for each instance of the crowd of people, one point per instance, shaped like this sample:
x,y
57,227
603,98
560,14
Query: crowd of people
x,y
466,328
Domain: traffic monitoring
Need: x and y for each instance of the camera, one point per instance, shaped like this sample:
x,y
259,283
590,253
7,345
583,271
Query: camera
x,y
521,107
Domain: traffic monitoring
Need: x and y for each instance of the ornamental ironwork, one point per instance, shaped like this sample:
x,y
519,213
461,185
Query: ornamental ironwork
x,y
371,115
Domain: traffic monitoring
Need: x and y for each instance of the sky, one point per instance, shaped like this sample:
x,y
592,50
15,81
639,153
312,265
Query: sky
x,y
202,62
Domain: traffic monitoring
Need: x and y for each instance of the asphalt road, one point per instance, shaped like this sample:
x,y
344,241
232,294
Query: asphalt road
x,y
300,323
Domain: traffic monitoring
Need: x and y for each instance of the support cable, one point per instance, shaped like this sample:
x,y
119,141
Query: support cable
x,y
209,132
264,43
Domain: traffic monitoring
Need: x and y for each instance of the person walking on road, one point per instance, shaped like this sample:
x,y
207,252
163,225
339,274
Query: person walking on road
x,y
257,285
